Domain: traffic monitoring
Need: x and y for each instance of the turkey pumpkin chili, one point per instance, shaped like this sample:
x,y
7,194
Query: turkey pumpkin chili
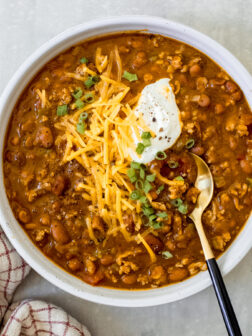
x,y
97,160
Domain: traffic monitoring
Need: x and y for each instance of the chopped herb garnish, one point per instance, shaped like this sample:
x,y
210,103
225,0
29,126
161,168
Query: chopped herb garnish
x,y
156,225
62,110
148,211
173,164
178,178
131,172
135,195
177,202
143,199
183,209
83,60
79,103
77,93
151,177
89,97
140,148
83,116
135,165
91,81
167,255
147,187
190,143
159,189
81,127
129,76
133,179
146,135
139,184
161,155
152,218
146,142
142,173
162,214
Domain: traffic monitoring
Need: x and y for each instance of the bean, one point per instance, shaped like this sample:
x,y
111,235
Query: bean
x,y
16,157
246,166
93,279
24,216
156,272
59,232
107,259
231,87
74,264
219,109
195,70
129,279
148,77
90,266
45,219
204,100
237,95
216,82
198,150
15,140
178,274
155,243
44,137
59,185
140,59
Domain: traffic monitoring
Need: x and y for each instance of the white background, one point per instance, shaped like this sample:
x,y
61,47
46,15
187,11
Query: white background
x,y
24,26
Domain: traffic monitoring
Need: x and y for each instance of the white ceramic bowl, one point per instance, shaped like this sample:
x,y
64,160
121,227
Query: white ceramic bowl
x,y
16,235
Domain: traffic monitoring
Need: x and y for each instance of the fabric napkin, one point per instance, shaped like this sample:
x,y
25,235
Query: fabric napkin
x,y
29,317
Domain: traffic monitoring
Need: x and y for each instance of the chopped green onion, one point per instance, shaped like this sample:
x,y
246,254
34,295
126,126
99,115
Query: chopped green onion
x,y
146,142
162,214
156,225
133,179
80,127
131,172
79,103
148,211
151,178
77,93
91,81
89,97
159,189
62,110
167,255
173,164
139,184
143,199
140,148
161,155
135,195
178,178
177,202
83,116
147,187
135,165
190,143
146,135
152,218
142,173
129,76
182,209
83,60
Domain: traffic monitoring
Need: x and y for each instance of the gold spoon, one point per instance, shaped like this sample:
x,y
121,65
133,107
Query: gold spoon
x,y
205,184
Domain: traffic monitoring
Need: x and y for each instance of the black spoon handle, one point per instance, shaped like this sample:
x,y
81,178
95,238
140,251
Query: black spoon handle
x,y
223,299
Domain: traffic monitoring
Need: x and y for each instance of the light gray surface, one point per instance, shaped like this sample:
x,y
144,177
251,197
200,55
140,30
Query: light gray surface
x,y
24,26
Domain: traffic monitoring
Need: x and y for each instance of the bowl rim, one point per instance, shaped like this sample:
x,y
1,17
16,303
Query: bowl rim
x,y
13,230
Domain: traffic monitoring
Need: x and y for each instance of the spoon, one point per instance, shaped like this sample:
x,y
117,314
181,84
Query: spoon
x,y
204,183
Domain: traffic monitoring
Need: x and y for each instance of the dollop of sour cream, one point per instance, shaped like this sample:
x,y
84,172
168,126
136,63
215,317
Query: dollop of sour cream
x,y
159,110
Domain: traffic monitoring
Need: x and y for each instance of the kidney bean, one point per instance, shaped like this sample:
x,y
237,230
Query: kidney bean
x,y
155,243
93,279
59,232
237,95
195,70
204,100
107,259
44,137
231,87
246,166
140,59
216,82
24,216
74,264
16,157
198,150
129,279
178,274
219,109
59,185
156,272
